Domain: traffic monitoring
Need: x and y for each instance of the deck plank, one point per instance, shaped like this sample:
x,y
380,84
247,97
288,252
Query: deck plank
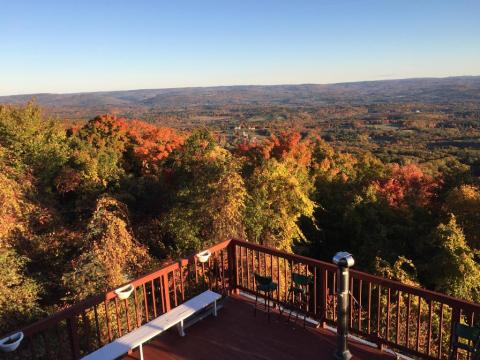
x,y
237,334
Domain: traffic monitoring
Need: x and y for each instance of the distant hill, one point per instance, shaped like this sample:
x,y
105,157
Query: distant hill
x,y
425,90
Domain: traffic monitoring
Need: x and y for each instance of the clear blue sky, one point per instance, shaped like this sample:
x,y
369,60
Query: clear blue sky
x,y
69,46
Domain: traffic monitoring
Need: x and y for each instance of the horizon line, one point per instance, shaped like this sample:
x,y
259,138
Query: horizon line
x,y
234,85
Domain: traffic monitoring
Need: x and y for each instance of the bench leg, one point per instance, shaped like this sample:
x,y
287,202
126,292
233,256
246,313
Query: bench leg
x,y
180,328
141,351
215,308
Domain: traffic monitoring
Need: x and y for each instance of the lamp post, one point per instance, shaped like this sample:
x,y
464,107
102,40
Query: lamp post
x,y
344,261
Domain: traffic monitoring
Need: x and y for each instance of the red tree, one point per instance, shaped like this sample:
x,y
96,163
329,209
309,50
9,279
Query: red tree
x,y
407,185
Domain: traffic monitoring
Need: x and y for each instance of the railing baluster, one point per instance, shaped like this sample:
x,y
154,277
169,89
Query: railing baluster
x,y
175,299
60,343
166,292
407,336
118,317
307,291
419,312
334,296
47,346
241,266
399,300
286,279
129,327
315,290
109,327
196,269
429,334
152,285
72,329
360,285
209,261
352,307
258,268
248,270
33,353
440,335
369,306
222,270
145,301
387,336
379,312
86,327
472,316
271,266
278,279
162,295
182,278
97,325
253,270
264,264
235,264
325,296
292,264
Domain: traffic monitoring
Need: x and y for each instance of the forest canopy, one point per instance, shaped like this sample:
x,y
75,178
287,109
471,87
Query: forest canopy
x,y
75,196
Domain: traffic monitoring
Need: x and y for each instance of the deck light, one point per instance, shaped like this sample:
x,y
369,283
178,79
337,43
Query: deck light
x,y
124,291
343,260
12,342
204,256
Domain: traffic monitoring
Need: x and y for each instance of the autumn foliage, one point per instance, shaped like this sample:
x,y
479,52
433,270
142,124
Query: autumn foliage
x,y
151,145
84,209
407,184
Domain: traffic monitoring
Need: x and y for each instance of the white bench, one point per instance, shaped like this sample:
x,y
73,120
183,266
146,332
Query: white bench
x,y
153,328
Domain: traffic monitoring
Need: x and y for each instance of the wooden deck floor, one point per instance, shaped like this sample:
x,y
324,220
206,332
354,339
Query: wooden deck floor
x,y
237,334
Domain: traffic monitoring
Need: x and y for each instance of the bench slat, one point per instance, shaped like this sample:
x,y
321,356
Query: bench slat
x,y
155,327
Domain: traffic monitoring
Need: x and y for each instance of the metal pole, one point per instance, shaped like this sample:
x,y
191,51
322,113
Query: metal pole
x,y
344,260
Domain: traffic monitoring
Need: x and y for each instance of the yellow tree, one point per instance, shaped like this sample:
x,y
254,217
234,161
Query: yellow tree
x,y
464,202
110,254
278,197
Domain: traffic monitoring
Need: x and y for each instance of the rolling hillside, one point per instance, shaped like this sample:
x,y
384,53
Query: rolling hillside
x,y
425,90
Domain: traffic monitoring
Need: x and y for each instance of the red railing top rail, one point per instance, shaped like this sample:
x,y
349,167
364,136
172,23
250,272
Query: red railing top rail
x,y
79,307
384,282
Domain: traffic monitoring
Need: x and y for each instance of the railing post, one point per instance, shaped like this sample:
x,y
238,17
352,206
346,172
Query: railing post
x,y
323,297
344,261
232,265
72,325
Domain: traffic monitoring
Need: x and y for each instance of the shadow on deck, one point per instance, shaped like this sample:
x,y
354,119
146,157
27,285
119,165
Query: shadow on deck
x,y
237,334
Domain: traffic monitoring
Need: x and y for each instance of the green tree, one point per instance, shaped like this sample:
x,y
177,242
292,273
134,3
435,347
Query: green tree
x,y
207,196
455,272
97,155
19,293
33,140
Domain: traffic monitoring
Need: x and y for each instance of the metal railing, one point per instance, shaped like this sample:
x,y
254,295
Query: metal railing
x,y
408,319
90,324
